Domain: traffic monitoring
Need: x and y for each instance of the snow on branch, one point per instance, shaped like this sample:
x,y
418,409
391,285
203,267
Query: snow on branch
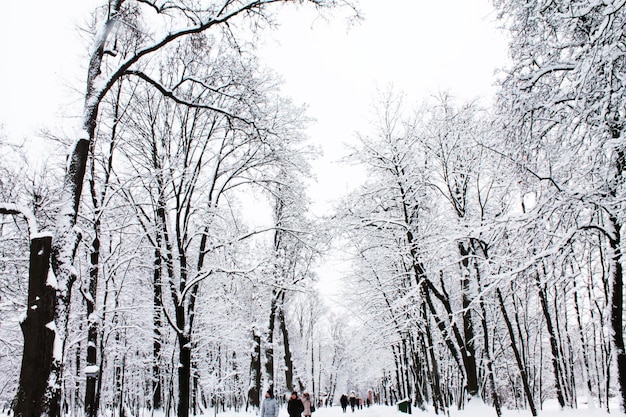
x,y
246,235
545,71
204,275
222,17
16,209
170,94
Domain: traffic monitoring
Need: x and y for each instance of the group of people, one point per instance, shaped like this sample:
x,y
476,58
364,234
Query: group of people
x,y
353,400
296,406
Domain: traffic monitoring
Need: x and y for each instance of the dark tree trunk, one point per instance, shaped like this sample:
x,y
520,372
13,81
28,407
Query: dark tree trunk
x,y
416,371
468,350
184,375
254,393
399,374
289,372
33,394
62,254
91,376
432,364
617,308
269,349
583,340
157,399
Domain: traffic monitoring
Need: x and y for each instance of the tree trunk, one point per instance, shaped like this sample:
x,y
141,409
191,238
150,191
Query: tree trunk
x,y
254,393
468,351
157,398
92,372
289,371
33,394
432,364
184,375
617,308
269,348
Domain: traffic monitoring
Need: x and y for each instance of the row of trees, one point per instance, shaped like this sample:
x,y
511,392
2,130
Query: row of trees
x,y
147,289
490,241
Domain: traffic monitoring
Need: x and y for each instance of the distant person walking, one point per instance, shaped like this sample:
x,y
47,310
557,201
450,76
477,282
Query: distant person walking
x,y
307,402
295,406
269,408
352,400
343,400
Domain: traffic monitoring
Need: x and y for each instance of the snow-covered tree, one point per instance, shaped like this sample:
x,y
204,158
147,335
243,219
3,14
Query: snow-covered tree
x,y
563,105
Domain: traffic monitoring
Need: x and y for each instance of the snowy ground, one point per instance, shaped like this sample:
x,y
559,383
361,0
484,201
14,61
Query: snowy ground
x,y
478,410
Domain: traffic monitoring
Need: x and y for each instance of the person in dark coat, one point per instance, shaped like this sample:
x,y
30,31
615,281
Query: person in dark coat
x,y
352,400
344,402
295,406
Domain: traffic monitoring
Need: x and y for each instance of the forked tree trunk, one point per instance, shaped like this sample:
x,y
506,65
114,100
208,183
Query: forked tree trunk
x,y
33,394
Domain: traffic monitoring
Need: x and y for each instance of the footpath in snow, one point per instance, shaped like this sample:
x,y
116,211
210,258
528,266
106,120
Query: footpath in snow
x,y
476,410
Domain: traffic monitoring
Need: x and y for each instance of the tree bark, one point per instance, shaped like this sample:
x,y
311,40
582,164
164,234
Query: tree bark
x,y
468,350
269,348
91,377
289,371
254,393
157,398
617,308
33,394
184,374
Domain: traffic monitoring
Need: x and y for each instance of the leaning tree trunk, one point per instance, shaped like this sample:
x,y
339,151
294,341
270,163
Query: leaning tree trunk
x,y
33,394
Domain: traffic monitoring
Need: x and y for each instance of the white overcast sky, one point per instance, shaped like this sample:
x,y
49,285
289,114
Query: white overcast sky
x,y
420,46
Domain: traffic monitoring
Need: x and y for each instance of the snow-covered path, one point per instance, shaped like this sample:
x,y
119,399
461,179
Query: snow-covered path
x,y
374,411
476,410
